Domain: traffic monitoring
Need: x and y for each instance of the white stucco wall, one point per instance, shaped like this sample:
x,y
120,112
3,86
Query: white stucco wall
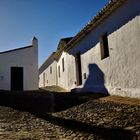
x,y
62,81
119,73
50,78
41,83
26,58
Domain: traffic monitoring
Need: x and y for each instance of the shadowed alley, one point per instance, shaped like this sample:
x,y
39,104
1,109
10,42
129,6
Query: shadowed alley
x,y
67,115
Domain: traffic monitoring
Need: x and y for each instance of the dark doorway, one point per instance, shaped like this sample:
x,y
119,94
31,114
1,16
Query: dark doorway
x,y
17,78
78,69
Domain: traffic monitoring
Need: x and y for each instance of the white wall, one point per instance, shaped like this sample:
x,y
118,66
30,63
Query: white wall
x,y
119,73
62,81
50,79
26,58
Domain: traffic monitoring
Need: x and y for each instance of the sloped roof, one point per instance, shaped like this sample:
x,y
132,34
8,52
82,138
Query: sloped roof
x,y
48,61
55,55
16,49
61,46
67,39
107,10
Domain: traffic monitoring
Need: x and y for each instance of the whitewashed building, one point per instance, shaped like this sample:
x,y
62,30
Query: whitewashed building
x,y
19,68
62,65
105,55
52,72
48,72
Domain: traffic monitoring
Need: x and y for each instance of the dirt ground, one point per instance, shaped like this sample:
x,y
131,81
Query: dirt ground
x,y
48,115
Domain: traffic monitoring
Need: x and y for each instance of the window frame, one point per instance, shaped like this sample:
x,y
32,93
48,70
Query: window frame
x,y
59,71
63,65
104,47
50,69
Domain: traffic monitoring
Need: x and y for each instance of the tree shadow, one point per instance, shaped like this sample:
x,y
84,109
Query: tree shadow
x,y
95,81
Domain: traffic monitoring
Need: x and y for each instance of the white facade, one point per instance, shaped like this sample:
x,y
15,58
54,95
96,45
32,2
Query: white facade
x,y
62,71
49,73
119,73
26,58
48,76
116,74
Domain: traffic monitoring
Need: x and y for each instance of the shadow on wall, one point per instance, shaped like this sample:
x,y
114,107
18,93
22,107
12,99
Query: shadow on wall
x,y
95,81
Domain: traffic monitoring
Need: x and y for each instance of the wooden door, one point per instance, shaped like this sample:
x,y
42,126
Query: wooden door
x,y
78,69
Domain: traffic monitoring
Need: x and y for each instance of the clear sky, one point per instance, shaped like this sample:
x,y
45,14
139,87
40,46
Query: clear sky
x,y
48,20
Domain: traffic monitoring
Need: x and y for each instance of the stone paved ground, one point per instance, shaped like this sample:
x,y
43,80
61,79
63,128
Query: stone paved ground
x,y
54,116
54,89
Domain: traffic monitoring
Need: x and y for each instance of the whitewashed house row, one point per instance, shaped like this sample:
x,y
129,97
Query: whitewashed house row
x,y
53,67
62,65
19,68
48,72
105,55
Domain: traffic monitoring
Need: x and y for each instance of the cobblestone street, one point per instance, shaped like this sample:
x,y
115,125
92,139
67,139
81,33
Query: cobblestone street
x,y
68,116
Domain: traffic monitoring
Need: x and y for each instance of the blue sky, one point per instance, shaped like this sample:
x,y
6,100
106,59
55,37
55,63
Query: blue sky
x,y
48,20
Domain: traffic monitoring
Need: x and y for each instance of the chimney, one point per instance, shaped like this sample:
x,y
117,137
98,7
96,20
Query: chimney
x,y
35,42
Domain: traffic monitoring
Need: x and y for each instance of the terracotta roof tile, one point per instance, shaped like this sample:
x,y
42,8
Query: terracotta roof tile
x,y
110,7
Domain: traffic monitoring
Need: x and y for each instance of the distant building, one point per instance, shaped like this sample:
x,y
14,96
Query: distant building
x,y
53,67
104,56
62,65
48,72
19,68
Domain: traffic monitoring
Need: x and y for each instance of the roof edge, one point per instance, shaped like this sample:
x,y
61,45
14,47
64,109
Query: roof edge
x,y
43,66
104,13
16,49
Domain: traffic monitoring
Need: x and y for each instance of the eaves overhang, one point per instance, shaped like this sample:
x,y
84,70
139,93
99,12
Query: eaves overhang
x,y
108,9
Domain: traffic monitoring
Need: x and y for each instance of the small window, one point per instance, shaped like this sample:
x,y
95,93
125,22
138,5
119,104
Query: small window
x,y
59,71
63,65
50,70
104,46
46,77
85,76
